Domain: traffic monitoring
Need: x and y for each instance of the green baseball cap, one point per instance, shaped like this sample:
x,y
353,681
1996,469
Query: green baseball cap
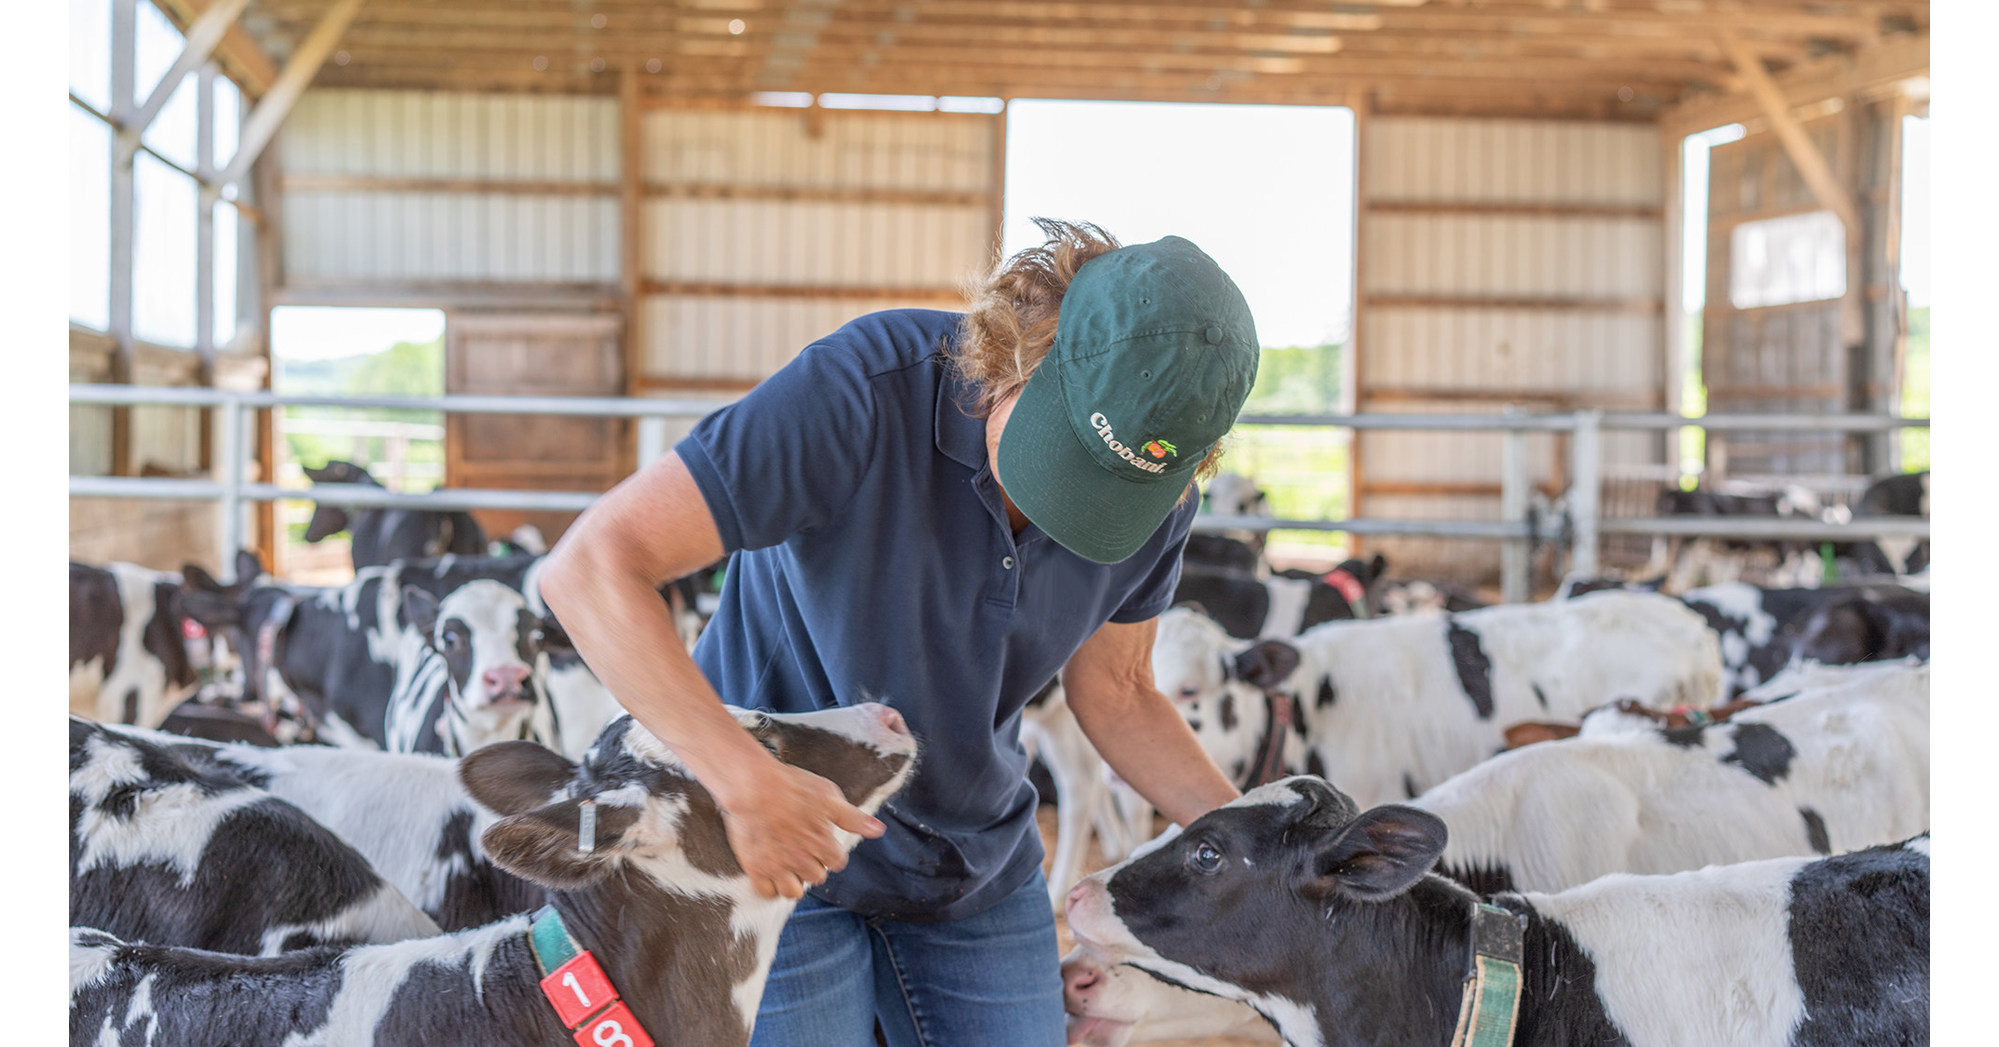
x,y
1154,354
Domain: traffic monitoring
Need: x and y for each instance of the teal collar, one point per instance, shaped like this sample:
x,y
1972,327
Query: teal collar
x,y
1491,1006
550,940
584,999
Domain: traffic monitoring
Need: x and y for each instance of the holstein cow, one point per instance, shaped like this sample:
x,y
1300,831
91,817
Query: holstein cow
x,y
336,654
382,536
1086,800
1392,706
470,683
176,854
129,648
1832,769
408,814
1324,918
1283,604
652,933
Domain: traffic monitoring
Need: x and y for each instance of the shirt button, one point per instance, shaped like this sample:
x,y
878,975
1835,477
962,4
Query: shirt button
x,y
1007,562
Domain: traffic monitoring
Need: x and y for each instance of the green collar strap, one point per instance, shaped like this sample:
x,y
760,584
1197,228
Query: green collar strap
x,y
550,940
1491,1006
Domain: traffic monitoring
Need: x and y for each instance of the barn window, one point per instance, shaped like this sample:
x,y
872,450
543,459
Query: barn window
x,y
172,133
165,205
89,220
1778,261
90,52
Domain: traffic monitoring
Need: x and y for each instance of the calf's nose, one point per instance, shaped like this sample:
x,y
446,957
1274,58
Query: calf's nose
x,y
891,719
1079,982
505,680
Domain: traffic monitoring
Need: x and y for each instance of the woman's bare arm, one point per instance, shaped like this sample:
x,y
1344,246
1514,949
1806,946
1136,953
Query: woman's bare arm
x,y
601,581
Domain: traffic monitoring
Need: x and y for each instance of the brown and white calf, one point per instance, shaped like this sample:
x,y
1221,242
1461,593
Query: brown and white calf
x,y
1325,920
642,878
172,852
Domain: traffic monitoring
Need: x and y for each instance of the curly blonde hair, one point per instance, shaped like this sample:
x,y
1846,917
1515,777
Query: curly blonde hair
x,y
1011,323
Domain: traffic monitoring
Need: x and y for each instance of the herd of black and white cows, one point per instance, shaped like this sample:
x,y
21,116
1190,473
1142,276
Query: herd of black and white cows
x,y
1725,841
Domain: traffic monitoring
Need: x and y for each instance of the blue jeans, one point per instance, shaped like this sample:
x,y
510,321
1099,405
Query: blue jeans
x,y
991,978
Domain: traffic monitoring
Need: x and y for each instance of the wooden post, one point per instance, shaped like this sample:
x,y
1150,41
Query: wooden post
x,y
1363,110
284,93
124,148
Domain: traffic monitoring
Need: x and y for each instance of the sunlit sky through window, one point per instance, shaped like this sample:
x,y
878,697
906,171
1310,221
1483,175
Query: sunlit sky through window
x,y
314,333
1267,191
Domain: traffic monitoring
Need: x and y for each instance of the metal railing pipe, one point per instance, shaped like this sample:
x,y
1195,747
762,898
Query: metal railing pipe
x,y
588,406
1754,527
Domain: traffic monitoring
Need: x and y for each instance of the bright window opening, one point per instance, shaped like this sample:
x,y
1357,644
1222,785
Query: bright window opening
x,y
1782,261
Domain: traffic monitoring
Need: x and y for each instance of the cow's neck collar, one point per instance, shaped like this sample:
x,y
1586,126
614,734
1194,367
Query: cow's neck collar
x,y
1350,588
270,635
1281,711
1490,1010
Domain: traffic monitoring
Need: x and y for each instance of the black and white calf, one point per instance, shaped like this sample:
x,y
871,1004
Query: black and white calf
x,y
1391,706
383,536
172,852
467,681
1338,935
408,814
129,649
1762,630
1283,604
642,878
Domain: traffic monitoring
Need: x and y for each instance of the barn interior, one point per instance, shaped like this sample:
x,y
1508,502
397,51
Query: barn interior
x,y
667,201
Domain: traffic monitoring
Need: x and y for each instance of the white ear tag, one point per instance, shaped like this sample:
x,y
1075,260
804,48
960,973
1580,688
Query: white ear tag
x,y
586,826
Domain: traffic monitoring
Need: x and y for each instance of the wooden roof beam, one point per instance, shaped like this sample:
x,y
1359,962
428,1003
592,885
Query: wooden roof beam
x,y
237,53
271,110
198,44
1870,70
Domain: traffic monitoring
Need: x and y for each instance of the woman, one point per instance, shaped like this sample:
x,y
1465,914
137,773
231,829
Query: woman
x,y
941,512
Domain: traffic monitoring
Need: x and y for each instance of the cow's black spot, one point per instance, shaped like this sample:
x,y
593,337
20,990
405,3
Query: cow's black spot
x,y
1860,941
1485,877
1194,722
1315,766
1227,712
1762,751
1327,695
1409,787
1238,770
1473,667
1684,737
1540,696
1815,830
1041,696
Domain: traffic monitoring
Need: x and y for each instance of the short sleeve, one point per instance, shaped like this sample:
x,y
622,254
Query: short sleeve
x,y
1155,594
789,456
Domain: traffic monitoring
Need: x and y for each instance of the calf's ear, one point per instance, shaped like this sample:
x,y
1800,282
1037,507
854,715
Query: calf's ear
x,y
327,521
514,777
543,845
1377,568
1267,664
420,610
1530,732
248,568
203,599
1380,854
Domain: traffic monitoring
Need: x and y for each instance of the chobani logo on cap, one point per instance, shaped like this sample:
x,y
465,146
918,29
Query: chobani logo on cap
x,y
1103,428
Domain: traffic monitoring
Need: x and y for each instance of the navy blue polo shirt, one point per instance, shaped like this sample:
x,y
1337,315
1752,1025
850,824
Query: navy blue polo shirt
x,y
874,562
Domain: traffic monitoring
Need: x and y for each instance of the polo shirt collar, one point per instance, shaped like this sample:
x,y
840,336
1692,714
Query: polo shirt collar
x,y
961,436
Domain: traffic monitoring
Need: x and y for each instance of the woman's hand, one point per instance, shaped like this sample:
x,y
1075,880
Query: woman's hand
x,y
780,823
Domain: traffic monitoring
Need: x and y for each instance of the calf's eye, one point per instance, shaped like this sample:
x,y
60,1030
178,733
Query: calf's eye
x,y
1206,858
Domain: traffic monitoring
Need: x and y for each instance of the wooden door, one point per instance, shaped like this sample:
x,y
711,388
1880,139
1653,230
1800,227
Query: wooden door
x,y
533,354
1778,277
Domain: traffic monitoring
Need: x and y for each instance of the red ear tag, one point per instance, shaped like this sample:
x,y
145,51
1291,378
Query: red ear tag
x,y
192,630
614,1028
578,989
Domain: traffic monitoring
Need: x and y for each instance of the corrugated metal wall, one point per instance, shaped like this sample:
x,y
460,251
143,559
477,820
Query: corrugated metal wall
x,y
768,228
399,185
1501,261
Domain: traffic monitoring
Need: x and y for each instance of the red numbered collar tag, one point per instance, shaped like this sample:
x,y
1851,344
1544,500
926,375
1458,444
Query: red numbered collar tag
x,y
613,1028
578,989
